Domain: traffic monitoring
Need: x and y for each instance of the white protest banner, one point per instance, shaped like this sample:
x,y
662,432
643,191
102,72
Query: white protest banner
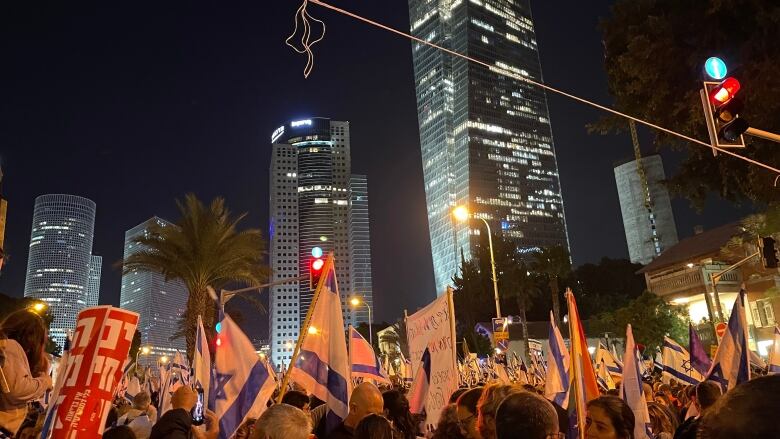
x,y
433,327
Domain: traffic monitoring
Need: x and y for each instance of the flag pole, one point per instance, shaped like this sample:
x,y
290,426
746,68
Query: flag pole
x,y
574,369
329,264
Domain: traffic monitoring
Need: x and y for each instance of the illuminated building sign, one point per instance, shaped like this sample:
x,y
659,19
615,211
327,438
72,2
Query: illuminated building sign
x,y
277,134
298,123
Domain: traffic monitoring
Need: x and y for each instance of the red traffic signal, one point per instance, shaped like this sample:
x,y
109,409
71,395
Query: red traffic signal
x,y
315,272
724,92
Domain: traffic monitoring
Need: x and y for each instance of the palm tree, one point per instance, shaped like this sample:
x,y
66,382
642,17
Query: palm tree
x,y
203,249
523,287
553,263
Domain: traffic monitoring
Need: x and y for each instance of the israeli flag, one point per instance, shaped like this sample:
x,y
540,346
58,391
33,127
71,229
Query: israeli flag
x,y
613,365
676,363
322,366
201,362
603,376
631,388
362,359
731,365
241,383
422,381
556,387
133,388
181,368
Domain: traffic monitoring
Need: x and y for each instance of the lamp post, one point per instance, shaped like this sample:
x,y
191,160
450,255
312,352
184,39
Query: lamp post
x,y
144,350
38,307
357,301
461,213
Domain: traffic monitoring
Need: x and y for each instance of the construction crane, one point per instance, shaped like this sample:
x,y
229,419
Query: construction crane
x,y
655,238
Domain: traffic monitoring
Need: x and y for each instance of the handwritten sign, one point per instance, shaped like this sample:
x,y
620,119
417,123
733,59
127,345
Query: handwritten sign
x,y
94,366
433,327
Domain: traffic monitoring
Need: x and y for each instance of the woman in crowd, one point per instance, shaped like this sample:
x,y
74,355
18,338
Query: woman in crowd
x,y
24,365
663,422
488,405
374,427
467,412
449,426
397,411
609,417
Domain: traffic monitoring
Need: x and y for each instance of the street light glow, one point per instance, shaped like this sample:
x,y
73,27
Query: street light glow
x,y
461,213
355,301
163,359
313,330
38,307
145,350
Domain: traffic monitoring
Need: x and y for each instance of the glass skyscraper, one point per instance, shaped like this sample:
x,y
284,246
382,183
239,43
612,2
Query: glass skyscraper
x,y
485,137
311,205
93,280
159,302
58,266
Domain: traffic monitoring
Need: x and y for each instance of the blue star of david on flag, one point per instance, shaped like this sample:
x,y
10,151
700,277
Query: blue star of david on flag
x,y
221,380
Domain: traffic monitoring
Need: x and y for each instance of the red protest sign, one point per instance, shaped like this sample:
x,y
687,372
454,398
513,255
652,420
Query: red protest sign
x,y
101,342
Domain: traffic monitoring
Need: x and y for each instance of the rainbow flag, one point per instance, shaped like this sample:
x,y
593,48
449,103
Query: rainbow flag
x,y
582,378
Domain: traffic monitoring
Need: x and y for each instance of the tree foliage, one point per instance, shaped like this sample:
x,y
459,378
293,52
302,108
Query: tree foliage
x,y
204,249
607,286
554,263
655,51
651,319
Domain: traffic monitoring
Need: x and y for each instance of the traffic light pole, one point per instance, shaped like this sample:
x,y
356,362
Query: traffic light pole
x,y
227,295
755,132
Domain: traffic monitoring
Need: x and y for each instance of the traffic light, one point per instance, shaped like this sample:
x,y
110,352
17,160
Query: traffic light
x,y
768,252
315,268
722,107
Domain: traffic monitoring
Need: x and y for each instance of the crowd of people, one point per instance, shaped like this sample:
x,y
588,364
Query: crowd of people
x,y
489,410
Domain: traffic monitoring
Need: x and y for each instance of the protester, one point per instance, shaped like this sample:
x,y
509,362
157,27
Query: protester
x,y
488,403
449,426
120,432
455,395
609,417
24,366
706,394
246,430
176,423
365,400
748,411
397,411
298,399
374,427
663,422
467,412
526,415
282,421
140,417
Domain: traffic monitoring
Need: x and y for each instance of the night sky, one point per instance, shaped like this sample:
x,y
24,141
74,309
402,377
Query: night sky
x,y
135,104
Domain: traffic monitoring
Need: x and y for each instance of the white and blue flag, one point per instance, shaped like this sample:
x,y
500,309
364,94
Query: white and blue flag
x,y
731,364
242,383
418,394
363,360
676,363
556,386
322,366
631,388
201,362
774,356
613,365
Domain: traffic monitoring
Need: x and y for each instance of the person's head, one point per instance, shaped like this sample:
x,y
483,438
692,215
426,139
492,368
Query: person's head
x,y
647,390
748,411
456,394
374,426
141,401
488,403
448,426
27,328
120,432
707,393
609,417
184,398
526,412
467,411
662,398
282,421
662,420
297,398
365,400
397,410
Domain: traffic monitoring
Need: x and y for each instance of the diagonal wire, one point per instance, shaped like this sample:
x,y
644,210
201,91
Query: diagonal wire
x,y
305,40
542,85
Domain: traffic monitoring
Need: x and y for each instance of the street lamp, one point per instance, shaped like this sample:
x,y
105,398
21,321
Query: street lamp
x,y
144,350
38,307
163,360
356,301
461,213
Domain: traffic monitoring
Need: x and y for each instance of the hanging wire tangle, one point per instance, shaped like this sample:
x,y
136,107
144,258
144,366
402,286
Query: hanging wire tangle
x,y
302,12
305,40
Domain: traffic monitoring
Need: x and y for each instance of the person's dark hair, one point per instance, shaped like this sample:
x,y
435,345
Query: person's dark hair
x,y
295,398
121,432
662,419
528,413
618,412
470,399
374,427
397,409
112,417
448,426
456,394
748,411
707,393
27,329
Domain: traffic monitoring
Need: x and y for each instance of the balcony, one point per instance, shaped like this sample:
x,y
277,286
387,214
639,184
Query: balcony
x,y
688,281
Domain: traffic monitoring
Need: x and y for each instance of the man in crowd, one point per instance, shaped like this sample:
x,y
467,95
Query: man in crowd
x,y
176,423
748,411
528,413
282,421
366,400
707,393
141,416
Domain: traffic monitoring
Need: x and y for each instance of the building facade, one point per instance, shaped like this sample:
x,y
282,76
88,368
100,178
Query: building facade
x,y
58,266
648,223
310,206
93,281
159,302
485,134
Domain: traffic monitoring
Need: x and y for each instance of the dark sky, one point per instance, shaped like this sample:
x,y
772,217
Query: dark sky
x,y
134,104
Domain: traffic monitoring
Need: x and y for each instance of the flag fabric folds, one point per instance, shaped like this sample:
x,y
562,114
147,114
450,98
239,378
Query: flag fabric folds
x,y
677,363
603,376
631,388
201,362
241,383
556,387
419,391
774,356
322,366
731,364
613,365
362,359
582,386
700,361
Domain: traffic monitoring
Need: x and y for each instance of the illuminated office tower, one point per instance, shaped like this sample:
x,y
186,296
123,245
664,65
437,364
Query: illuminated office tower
x,y
58,266
93,280
486,138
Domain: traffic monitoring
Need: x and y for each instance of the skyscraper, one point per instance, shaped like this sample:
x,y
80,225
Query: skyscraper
x,y
160,303
310,197
360,246
486,138
649,227
58,265
93,280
